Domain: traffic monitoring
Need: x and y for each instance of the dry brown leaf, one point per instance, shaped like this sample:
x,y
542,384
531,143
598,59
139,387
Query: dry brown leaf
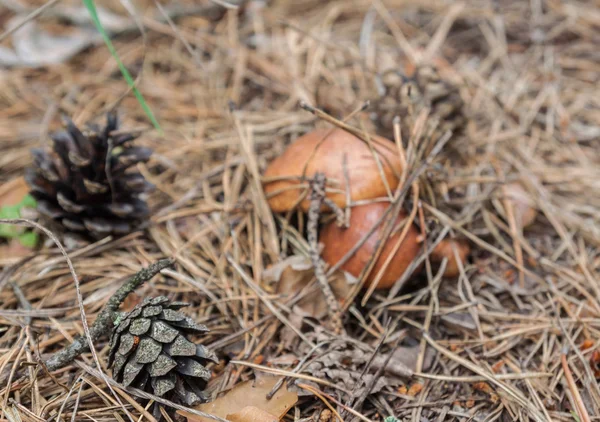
x,y
248,394
12,250
13,191
294,274
344,365
252,414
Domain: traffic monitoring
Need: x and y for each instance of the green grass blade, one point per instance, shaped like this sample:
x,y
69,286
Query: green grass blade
x,y
89,4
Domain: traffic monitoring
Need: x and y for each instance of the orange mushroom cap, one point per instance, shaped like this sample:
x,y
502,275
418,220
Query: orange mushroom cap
x,y
338,241
523,206
330,146
445,249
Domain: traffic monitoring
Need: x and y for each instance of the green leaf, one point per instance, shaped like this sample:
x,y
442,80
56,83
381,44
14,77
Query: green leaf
x,y
9,212
91,7
10,231
29,239
391,419
28,202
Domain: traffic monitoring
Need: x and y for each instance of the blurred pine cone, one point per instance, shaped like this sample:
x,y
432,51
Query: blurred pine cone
x,y
87,181
149,350
406,96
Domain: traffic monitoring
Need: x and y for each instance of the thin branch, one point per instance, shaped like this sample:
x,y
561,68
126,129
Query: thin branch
x,y
104,321
317,197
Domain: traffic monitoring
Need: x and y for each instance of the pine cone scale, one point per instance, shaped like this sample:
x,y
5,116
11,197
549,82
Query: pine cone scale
x,y
163,332
118,365
94,188
49,209
68,205
147,351
151,311
163,385
132,370
162,366
181,347
172,316
190,367
126,345
140,326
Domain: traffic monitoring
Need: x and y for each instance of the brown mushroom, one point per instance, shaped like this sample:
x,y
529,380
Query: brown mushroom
x,y
445,249
338,241
324,151
522,204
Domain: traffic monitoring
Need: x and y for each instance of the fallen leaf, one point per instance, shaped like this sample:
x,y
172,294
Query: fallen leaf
x,y
252,414
344,365
295,273
15,242
12,250
33,46
459,321
404,360
248,394
13,191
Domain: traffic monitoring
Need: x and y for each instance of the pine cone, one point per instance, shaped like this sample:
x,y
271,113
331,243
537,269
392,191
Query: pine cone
x,y
406,96
149,350
87,181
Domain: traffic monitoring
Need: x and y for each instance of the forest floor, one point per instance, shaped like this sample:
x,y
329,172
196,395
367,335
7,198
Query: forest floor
x,y
514,336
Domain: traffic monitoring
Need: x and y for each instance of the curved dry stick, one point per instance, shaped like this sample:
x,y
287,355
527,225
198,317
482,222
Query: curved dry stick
x,y
104,320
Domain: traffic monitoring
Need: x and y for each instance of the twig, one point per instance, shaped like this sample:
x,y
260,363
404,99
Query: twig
x,y
317,196
581,409
104,321
296,369
25,304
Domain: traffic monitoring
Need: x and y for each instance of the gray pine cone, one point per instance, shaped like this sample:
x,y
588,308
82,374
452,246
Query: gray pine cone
x,y
149,350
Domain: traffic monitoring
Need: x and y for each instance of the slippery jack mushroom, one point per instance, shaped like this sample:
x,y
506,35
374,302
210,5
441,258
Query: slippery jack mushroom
x,y
445,249
523,210
325,151
337,242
